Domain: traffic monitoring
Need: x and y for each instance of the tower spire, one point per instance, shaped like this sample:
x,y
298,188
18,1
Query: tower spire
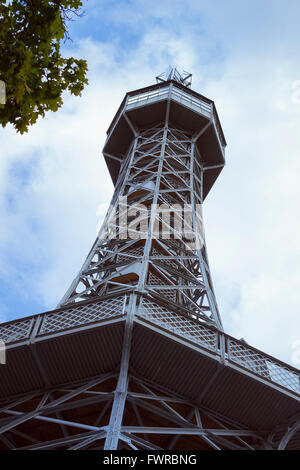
x,y
173,73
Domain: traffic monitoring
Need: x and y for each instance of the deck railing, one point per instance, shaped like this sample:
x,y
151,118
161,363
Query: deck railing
x,y
225,348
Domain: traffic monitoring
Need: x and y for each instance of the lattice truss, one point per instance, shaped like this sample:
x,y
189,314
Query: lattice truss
x,y
158,251
76,416
145,270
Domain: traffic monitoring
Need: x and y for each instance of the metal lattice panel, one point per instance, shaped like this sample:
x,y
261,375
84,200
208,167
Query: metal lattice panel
x,y
179,324
264,366
16,331
79,315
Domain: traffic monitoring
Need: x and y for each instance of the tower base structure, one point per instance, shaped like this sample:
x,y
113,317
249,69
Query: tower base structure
x,y
69,383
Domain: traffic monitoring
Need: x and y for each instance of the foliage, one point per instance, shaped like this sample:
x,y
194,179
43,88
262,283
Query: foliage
x,y
31,65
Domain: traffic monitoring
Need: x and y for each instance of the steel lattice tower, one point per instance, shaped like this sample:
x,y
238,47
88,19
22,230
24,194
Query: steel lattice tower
x,y
135,356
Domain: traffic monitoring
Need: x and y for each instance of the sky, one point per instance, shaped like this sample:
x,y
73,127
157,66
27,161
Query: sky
x,y
54,184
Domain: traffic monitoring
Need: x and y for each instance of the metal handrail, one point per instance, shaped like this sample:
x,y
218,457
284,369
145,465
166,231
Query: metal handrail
x,y
235,351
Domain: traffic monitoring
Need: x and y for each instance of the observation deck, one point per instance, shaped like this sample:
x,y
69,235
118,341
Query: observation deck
x,y
79,341
188,110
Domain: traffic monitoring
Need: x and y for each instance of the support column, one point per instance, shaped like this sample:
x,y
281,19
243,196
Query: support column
x,y
120,394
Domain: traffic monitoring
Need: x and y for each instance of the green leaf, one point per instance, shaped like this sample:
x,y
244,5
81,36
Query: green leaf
x,y
34,71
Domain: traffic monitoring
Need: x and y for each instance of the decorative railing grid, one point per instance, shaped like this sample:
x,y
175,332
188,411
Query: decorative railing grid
x,y
234,351
264,366
179,324
177,95
16,331
63,319
80,315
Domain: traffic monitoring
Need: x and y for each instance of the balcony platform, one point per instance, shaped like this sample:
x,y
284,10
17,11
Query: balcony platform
x,y
188,111
193,360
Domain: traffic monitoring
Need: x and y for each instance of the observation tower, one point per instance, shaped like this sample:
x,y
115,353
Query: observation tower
x,y
135,356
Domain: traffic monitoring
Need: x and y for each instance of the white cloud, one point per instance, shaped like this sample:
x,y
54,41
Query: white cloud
x,y
252,218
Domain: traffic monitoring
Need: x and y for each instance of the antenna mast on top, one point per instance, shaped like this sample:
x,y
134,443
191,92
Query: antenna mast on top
x,y
172,73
